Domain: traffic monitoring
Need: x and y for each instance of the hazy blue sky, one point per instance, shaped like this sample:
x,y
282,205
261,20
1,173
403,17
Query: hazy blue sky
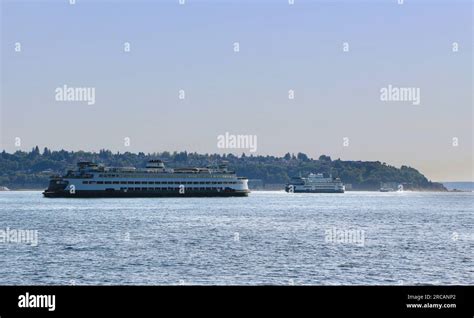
x,y
282,47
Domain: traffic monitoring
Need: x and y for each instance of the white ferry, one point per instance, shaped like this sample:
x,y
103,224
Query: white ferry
x,y
93,180
315,183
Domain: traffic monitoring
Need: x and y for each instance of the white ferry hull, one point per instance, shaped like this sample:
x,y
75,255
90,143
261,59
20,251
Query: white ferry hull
x,y
299,190
92,181
143,194
315,183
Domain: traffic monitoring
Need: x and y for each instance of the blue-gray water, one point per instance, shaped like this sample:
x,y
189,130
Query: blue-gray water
x,y
463,186
267,238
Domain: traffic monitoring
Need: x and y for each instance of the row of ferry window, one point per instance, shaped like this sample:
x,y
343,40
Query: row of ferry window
x,y
166,188
148,175
156,182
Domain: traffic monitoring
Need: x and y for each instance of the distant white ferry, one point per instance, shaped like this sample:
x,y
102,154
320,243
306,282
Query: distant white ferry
x,y
315,183
93,180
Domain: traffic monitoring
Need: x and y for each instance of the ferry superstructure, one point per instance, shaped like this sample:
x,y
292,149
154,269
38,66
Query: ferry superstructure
x,y
315,183
156,180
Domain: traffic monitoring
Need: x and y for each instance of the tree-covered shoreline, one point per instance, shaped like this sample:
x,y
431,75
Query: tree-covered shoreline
x,y
31,170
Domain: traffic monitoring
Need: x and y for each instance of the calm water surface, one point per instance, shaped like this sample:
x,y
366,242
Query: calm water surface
x,y
355,238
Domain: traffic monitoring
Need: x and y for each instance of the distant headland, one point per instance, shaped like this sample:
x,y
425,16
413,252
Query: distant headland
x,y
31,170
